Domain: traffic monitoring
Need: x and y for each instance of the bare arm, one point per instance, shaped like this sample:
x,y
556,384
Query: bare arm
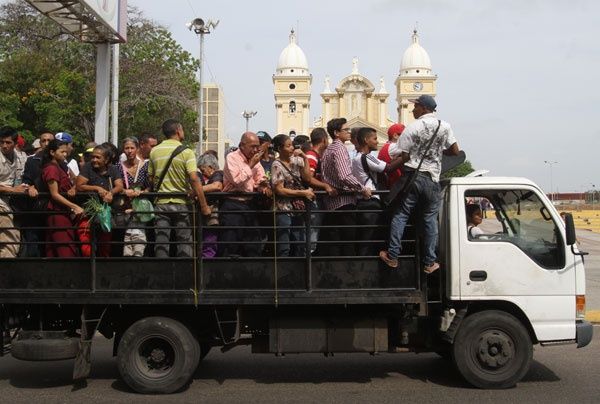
x,y
452,150
216,186
292,193
56,196
81,186
204,208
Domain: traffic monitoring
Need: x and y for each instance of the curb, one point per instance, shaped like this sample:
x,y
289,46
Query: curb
x,y
593,316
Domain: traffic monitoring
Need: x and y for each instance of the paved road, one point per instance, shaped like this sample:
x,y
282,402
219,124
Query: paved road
x,y
558,375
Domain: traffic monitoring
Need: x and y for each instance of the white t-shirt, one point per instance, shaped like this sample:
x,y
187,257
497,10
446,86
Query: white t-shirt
x,y
375,166
474,232
415,138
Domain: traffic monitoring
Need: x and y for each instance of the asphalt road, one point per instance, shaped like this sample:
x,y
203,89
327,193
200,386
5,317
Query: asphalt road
x,y
561,374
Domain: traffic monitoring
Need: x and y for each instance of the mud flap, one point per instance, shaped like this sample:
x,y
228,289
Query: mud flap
x,y
90,320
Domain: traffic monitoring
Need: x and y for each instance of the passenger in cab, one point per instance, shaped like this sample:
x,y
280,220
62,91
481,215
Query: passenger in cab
x,y
63,213
289,174
102,177
474,219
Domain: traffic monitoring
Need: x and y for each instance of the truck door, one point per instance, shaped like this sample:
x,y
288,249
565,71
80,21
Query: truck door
x,y
518,254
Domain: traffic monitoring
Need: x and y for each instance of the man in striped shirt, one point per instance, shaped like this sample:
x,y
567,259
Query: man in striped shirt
x,y
173,211
337,172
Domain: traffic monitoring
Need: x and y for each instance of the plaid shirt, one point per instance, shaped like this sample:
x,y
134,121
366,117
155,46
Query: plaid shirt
x,y
337,172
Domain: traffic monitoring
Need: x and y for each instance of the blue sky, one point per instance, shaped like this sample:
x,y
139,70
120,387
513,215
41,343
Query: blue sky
x,y
518,80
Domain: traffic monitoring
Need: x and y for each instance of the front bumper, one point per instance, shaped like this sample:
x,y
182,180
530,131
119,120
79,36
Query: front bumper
x,y
584,333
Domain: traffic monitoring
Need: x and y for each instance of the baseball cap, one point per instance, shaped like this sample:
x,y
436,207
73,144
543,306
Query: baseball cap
x,y
425,100
263,136
63,137
395,129
20,140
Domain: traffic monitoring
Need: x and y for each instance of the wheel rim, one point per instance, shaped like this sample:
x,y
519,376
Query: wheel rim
x,y
494,351
155,357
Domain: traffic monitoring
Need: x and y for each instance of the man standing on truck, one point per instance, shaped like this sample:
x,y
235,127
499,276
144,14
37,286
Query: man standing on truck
x,y
173,169
421,145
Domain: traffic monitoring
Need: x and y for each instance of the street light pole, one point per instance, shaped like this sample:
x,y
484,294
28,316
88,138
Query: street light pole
x,y
551,163
247,115
200,28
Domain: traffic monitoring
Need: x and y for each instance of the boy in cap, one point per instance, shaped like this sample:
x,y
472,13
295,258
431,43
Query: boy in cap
x,y
394,133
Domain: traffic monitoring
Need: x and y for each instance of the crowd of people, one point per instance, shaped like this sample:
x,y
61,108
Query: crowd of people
x,y
268,182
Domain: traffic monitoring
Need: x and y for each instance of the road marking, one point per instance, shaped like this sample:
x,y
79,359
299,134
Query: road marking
x,y
593,316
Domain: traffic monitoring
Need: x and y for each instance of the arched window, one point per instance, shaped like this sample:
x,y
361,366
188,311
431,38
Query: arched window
x,y
292,107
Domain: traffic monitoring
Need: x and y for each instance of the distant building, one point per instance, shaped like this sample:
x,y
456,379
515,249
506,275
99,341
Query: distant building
x,y
213,112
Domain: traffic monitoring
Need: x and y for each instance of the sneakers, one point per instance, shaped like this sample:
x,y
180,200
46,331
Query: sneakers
x,y
390,262
432,268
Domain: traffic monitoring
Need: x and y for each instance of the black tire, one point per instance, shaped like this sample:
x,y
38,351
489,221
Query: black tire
x,y
492,350
45,349
157,355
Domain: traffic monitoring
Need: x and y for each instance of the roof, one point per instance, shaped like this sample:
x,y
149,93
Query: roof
x,y
415,61
492,181
292,61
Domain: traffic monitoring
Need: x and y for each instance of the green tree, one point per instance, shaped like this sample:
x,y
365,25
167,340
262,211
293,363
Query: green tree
x,y
459,171
47,78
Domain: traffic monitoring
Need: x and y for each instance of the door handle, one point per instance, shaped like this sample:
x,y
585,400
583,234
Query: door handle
x,y
478,276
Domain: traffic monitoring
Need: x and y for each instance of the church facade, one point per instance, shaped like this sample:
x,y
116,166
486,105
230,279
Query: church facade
x,y
355,97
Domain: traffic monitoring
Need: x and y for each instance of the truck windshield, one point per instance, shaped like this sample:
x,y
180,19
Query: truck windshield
x,y
520,217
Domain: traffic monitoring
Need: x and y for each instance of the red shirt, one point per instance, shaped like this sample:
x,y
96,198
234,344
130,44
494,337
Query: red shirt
x,y
313,163
384,155
52,172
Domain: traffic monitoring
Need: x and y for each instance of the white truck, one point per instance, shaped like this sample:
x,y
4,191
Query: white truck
x,y
520,283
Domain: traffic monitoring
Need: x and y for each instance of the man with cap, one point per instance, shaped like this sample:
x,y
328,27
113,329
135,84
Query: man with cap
x,y
264,140
394,133
425,188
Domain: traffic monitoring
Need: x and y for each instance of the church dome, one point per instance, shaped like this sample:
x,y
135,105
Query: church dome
x,y
415,61
292,61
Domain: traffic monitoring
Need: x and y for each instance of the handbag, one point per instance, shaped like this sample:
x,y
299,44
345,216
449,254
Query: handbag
x,y
408,177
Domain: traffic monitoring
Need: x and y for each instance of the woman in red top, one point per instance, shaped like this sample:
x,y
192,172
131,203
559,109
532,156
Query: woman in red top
x,y
60,235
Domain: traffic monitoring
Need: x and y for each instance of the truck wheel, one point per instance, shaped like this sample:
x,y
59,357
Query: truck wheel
x,y
157,355
492,350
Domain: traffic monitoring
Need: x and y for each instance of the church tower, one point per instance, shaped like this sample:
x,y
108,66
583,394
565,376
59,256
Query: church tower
x,y
415,79
292,82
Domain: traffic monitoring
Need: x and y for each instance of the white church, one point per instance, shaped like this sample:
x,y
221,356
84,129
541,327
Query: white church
x,y
355,97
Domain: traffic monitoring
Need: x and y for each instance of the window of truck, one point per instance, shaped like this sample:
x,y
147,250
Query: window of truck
x,y
519,217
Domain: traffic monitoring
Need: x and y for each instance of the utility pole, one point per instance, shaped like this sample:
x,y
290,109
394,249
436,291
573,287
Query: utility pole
x,y
551,163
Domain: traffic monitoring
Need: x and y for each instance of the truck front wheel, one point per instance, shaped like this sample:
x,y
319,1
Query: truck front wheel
x,y
157,355
492,350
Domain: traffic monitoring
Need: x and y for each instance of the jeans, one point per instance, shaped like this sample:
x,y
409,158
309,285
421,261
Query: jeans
x,y
425,193
178,216
285,235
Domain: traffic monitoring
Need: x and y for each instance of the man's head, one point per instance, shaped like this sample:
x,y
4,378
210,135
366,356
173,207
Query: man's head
x,y
338,129
299,141
425,104
147,142
249,144
67,139
45,138
395,131
367,137
318,139
8,140
173,129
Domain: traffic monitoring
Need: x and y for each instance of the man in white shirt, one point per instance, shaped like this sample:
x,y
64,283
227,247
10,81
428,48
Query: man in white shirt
x,y
366,168
424,164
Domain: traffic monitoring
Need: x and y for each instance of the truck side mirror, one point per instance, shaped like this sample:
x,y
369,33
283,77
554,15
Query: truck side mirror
x,y
570,229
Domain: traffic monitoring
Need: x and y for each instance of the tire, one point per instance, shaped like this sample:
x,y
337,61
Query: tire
x,y
492,350
157,355
53,349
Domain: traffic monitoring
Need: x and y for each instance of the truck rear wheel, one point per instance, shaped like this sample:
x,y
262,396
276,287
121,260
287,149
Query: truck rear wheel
x,y
492,350
157,355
